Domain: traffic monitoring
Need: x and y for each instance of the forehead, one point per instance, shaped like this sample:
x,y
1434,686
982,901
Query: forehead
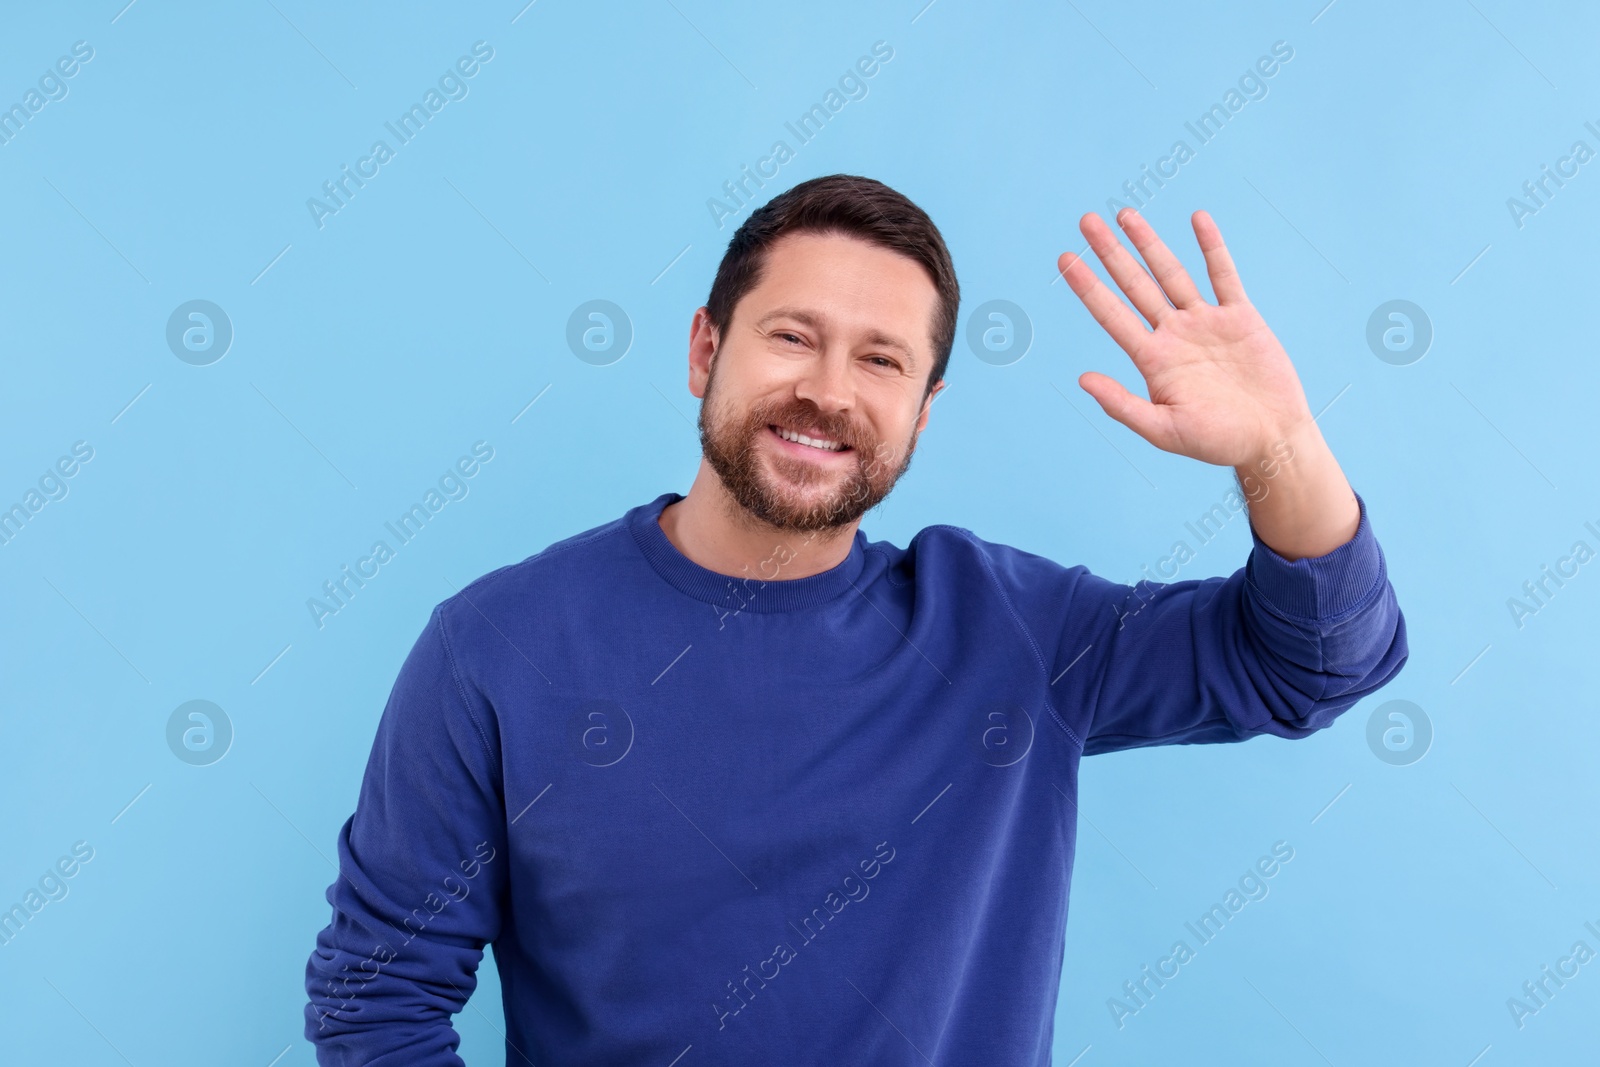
x,y
852,284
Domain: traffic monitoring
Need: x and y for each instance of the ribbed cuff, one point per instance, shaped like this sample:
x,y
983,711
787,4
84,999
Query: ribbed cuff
x,y
1319,587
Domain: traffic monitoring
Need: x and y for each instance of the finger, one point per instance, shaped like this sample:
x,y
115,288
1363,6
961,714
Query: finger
x,y
1175,281
1127,272
1219,264
1112,314
1136,413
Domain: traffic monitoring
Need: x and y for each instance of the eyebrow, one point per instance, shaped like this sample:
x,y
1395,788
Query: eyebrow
x,y
874,336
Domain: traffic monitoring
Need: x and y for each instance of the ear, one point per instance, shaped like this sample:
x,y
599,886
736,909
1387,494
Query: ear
x,y
702,346
927,405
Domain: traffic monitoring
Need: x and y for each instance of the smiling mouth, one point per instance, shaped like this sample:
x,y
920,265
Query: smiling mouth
x,y
818,444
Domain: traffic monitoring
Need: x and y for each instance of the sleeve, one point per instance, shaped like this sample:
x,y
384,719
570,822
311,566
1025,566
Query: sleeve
x,y
1278,647
422,874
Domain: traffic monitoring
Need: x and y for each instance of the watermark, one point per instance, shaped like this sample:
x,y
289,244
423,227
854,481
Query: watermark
x,y
1252,86
601,732
852,888
452,85
1399,732
1399,332
455,889
883,456
1208,525
1538,192
852,85
452,485
199,733
1002,734
1537,993
199,332
999,332
51,886
53,485
599,332
1537,593
52,88
1252,886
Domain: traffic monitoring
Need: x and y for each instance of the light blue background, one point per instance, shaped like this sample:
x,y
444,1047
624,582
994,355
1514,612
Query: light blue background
x,y
429,312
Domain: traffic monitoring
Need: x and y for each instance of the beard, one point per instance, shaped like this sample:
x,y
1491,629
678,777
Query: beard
x,y
791,494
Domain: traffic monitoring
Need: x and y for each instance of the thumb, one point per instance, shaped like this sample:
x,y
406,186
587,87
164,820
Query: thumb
x,y
1134,412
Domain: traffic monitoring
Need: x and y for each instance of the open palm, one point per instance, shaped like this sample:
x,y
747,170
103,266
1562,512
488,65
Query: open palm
x,y
1222,389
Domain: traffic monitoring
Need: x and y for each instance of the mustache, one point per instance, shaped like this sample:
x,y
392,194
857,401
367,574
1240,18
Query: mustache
x,y
812,423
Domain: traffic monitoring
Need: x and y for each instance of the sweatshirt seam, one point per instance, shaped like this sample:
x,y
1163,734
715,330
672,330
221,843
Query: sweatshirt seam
x,y
1033,645
461,695
1365,601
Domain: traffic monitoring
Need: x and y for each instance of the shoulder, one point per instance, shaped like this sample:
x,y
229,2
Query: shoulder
x,y
542,582
993,562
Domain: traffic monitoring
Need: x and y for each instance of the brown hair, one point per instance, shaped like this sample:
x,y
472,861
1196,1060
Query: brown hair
x,y
852,205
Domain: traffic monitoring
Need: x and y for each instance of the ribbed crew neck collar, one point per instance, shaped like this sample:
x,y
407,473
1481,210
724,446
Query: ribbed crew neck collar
x,y
738,593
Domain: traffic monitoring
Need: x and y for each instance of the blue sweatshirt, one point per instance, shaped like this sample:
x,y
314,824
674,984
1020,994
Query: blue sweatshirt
x,y
706,820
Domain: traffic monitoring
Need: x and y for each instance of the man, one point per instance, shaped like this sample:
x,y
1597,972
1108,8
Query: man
x,y
724,782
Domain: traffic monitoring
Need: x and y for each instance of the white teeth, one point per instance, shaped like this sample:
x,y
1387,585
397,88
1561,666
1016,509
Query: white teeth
x,y
814,442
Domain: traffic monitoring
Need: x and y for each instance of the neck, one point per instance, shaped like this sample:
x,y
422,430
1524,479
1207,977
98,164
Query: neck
x,y
710,527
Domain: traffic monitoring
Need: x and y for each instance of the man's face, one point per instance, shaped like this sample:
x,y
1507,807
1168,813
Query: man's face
x,y
833,344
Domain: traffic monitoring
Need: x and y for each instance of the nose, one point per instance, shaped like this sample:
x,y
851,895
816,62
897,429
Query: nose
x,y
826,382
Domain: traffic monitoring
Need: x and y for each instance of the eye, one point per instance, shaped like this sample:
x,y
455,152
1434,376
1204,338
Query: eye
x,y
885,361
789,336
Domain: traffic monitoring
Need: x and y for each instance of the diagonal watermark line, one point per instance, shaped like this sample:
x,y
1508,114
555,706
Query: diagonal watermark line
x,y
530,404
274,262
1296,229
303,437
497,229
1323,12
923,12
96,229
1103,437
1292,1026
669,266
314,48
1468,667
714,48
1503,437
281,1055
931,803
523,12
1114,48
1469,266
702,833
1331,803
670,404
297,830
1514,48
530,804
85,1018
463,595
669,666
1108,840
1074,662
890,1021
269,666
1503,837
124,11
902,634
130,804
129,404
1329,404
96,629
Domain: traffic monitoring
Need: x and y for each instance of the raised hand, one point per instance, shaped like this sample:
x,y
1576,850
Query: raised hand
x,y
1222,389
